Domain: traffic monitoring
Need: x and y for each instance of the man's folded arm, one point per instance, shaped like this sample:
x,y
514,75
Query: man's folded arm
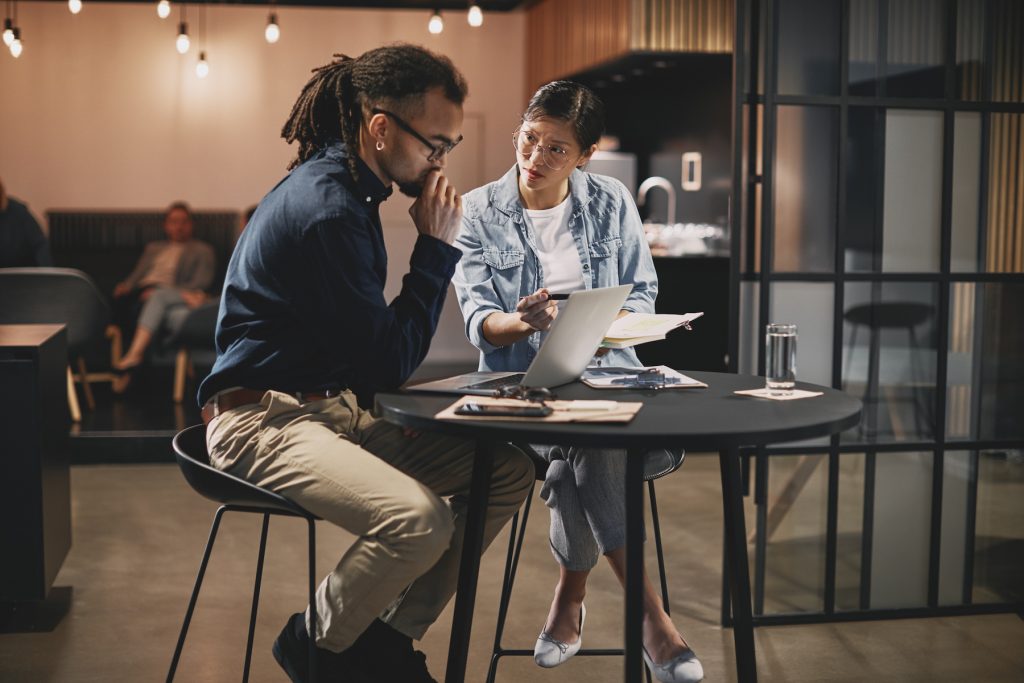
x,y
383,343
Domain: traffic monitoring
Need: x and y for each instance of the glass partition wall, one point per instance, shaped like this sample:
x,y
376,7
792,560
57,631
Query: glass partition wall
x,y
879,163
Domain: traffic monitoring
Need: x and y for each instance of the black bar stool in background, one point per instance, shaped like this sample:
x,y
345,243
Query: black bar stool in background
x,y
515,545
236,494
881,316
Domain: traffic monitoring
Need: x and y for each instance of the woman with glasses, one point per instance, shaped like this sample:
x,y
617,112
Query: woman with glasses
x,y
548,227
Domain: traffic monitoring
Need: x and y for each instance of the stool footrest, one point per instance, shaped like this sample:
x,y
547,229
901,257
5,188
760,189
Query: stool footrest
x,y
594,652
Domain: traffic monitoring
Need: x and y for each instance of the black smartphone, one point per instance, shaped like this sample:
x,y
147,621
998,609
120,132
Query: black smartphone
x,y
485,410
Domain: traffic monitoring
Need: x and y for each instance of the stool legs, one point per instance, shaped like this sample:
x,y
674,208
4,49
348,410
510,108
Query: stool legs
x,y
660,549
515,545
255,595
312,599
255,598
195,592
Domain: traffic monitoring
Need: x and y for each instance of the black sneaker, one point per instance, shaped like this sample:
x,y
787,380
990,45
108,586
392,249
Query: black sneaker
x,y
387,656
291,650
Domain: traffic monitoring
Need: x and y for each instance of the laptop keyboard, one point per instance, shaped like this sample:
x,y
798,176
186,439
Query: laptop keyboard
x,y
497,382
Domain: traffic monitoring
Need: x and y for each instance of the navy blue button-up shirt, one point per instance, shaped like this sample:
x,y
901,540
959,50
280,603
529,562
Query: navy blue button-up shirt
x,y
303,306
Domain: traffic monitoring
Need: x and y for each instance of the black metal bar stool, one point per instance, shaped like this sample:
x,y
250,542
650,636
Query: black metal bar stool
x,y
238,495
879,316
515,545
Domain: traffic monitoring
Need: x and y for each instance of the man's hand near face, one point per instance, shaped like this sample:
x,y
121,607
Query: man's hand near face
x,y
437,212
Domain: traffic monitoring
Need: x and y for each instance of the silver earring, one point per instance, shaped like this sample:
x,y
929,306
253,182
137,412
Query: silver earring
x,y
380,145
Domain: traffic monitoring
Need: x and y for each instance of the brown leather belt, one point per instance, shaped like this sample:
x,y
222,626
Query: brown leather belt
x,y
226,400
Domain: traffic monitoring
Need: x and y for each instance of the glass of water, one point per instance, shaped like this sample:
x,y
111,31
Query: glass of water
x,y
780,358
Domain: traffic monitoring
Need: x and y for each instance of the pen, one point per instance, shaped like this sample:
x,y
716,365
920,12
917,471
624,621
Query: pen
x,y
555,297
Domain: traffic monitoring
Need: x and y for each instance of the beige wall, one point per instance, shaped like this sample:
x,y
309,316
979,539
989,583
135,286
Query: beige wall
x,y
100,111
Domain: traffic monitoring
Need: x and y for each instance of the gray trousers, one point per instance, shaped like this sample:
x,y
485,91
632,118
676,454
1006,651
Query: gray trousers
x,y
163,309
585,491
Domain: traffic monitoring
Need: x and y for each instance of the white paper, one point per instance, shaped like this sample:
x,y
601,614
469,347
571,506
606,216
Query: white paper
x,y
633,325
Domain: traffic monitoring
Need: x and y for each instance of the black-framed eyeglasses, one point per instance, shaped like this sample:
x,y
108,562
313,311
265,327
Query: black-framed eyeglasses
x,y
532,394
436,150
526,143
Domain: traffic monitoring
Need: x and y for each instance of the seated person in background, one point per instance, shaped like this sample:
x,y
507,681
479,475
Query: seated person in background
x,y
22,242
170,274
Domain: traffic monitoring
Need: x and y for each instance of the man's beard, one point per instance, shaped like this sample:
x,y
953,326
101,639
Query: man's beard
x,y
411,189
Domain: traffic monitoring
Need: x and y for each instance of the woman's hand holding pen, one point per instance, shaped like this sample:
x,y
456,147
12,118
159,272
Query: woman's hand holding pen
x,y
538,310
533,313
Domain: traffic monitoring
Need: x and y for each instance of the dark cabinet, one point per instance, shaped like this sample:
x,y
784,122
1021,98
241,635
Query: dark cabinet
x,y
686,285
35,499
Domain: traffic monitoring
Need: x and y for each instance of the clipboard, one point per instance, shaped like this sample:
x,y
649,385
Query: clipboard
x,y
614,412
661,377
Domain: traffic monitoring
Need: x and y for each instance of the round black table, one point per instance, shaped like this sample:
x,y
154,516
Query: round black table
x,y
713,419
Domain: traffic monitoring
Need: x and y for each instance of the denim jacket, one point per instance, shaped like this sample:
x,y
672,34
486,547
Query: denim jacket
x,y
499,263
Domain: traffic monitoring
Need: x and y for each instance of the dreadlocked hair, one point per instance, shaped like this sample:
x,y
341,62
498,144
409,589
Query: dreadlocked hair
x,y
332,103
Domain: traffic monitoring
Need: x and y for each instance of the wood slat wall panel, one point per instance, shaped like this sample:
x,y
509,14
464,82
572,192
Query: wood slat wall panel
x,y
565,37
1008,54
1005,229
863,31
1004,241
961,329
970,47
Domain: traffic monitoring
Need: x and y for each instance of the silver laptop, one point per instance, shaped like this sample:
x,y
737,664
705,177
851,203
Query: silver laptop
x,y
571,342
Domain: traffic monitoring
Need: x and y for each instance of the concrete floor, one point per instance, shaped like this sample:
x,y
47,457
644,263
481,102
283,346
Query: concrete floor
x,y
138,538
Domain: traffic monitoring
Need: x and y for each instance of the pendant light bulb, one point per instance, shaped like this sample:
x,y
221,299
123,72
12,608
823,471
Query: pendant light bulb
x,y
202,67
182,42
475,16
273,32
75,6
163,9
436,24
16,46
8,33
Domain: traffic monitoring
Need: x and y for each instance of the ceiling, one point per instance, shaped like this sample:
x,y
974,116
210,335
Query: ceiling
x,y
425,5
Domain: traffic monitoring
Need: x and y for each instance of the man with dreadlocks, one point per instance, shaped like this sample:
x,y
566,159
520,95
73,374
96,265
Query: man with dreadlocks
x,y
305,338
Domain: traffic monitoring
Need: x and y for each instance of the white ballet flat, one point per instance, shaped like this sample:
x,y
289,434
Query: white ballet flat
x,y
549,652
683,668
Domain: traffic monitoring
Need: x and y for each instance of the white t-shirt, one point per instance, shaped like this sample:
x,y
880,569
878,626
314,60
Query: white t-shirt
x,y
556,248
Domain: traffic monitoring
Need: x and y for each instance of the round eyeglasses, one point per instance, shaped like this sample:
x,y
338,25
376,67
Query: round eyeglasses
x,y
526,143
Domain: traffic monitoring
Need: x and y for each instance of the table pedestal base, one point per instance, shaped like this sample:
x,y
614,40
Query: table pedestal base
x,y
35,616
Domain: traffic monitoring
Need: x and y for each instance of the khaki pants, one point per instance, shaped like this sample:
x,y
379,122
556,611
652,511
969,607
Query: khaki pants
x,y
365,475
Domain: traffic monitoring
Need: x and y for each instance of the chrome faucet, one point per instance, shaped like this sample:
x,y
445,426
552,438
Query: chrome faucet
x,y
663,183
